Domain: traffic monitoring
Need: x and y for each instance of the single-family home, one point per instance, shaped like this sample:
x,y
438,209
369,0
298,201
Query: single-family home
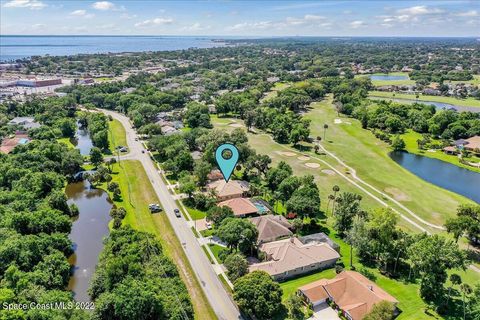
x,y
272,227
319,237
215,175
241,207
25,122
229,190
8,144
351,291
473,144
290,257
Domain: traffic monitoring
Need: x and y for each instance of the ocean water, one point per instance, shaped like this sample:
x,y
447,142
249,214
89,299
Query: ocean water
x,y
16,47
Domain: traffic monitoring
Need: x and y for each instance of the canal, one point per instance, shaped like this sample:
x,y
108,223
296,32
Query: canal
x,y
88,230
443,174
82,140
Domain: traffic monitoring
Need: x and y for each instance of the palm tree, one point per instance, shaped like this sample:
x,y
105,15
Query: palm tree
x,y
335,190
331,197
325,127
466,290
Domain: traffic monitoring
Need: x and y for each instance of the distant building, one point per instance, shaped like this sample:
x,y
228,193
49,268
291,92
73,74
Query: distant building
x,y
8,144
35,83
25,122
290,257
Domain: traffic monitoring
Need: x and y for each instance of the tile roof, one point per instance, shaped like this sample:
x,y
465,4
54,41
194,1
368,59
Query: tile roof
x,y
271,227
350,290
240,206
290,254
230,188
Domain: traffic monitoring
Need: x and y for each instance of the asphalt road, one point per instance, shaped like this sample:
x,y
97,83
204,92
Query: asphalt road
x,y
216,294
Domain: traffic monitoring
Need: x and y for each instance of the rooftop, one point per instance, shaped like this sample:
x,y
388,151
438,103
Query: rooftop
x,y
290,254
272,227
351,291
240,206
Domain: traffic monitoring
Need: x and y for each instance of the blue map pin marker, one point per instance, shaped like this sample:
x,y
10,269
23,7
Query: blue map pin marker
x,y
226,165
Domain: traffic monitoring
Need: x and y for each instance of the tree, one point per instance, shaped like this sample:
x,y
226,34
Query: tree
x,y
239,234
383,310
432,257
96,157
258,295
277,174
466,290
217,214
398,144
305,201
348,207
335,189
294,306
197,115
187,185
325,127
68,127
237,266
201,171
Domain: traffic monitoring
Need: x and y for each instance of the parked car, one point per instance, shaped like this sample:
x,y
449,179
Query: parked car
x,y
154,207
177,212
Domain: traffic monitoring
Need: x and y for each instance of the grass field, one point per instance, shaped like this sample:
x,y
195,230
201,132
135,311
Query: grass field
x,y
67,142
378,83
468,102
369,156
137,193
116,134
411,137
474,81
195,213
216,249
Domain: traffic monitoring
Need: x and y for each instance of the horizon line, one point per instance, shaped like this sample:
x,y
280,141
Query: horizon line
x,y
236,36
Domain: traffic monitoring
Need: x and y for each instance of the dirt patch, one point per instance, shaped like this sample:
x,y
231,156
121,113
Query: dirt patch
x,y
286,154
397,194
312,165
303,158
235,125
329,172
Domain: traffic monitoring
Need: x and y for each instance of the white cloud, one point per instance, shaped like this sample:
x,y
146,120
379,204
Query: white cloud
x,y
82,13
38,26
471,13
312,17
31,4
251,25
195,27
103,5
357,24
128,16
78,13
309,18
154,22
419,10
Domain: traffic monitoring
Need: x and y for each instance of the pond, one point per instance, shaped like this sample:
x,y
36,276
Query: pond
x,y
388,77
88,230
438,105
441,173
82,140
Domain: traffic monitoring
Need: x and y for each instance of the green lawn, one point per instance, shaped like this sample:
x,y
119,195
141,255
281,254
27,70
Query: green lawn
x,y
410,137
216,250
468,102
137,193
195,213
67,142
292,286
354,146
116,134
474,81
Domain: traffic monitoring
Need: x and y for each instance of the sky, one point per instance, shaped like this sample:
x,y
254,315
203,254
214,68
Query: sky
x,y
241,18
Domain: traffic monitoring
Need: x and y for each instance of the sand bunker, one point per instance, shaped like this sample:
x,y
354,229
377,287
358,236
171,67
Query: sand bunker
x,y
235,125
337,121
397,194
287,154
312,165
328,171
303,158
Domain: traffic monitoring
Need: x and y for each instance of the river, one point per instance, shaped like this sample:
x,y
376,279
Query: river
x,y
387,77
441,173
